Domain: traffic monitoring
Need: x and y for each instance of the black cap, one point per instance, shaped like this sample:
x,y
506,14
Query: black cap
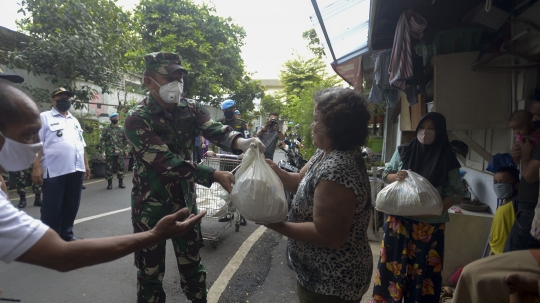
x,y
11,77
61,90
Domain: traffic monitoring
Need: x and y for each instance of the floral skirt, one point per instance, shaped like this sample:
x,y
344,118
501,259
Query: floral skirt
x,y
411,262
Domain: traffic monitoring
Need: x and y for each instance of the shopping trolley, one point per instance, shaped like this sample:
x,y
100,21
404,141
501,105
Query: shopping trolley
x,y
216,201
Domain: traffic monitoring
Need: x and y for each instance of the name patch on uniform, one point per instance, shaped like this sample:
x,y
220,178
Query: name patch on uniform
x,y
53,124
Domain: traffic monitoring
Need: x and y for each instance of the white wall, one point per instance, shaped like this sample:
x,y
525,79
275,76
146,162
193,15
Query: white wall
x,y
108,101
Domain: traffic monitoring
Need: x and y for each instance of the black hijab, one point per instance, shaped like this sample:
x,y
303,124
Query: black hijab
x,y
431,161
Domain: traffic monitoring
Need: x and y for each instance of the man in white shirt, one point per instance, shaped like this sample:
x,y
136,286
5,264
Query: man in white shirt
x,y
61,166
28,240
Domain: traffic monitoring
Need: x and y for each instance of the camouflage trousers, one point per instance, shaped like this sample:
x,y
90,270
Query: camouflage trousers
x,y
115,164
22,176
150,261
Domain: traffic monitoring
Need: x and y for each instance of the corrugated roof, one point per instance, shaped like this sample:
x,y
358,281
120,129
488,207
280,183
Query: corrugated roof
x,y
347,25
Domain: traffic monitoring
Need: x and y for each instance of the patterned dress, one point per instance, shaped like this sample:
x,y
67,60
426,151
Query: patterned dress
x,y
412,251
344,272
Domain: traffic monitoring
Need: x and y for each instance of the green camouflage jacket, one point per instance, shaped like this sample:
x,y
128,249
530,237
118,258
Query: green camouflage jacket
x,y
113,141
162,143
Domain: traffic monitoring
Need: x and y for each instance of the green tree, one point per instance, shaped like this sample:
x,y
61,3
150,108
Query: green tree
x,y
302,78
209,44
273,103
74,40
247,91
314,44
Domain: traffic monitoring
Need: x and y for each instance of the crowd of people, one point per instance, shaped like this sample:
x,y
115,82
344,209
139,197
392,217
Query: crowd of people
x,y
326,226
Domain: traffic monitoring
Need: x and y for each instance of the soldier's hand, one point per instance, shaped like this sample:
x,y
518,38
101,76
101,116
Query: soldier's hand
x,y
37,176
225,179
177,224
244,144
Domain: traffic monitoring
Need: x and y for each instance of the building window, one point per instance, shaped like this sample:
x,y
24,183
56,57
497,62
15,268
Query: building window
x,y
99,105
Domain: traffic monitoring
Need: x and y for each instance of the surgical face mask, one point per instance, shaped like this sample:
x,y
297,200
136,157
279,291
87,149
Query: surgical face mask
x,y
228,114
16,156
503,190
426,136
171,92
63,105
114,121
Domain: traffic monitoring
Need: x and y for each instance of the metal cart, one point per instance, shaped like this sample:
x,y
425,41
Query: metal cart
x,y
376,221
215,200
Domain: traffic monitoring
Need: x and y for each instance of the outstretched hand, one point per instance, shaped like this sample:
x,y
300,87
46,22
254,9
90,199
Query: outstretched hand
x,y
177,224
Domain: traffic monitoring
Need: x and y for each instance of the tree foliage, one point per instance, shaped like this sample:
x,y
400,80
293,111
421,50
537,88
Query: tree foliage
x,y
247,91
314,43
74,40
273,103
209,44
302,78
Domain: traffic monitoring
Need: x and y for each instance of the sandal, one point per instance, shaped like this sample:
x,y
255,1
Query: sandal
x,y
447,294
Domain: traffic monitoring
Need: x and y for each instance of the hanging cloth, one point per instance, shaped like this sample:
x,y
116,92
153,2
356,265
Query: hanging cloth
x,y
410,25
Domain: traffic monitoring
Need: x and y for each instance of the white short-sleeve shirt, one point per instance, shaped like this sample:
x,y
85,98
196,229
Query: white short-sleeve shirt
x,y
18,231
63,144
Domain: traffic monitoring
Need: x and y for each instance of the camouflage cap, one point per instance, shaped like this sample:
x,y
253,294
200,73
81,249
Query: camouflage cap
x,y
164,63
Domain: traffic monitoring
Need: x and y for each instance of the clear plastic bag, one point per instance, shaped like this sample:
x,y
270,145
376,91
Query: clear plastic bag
x,y
258,192
413,196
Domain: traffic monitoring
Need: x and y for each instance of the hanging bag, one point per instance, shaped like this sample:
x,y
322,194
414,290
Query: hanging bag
x,y
413,196
258,193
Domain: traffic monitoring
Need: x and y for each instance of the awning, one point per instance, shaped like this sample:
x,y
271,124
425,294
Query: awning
x,y
344,24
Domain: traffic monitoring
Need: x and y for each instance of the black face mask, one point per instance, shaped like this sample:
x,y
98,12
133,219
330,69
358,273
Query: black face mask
x,y
229,115
537,123
114,121
63,105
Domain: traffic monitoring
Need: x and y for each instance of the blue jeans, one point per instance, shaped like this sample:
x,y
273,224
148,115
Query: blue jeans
x,y
60,204
520,237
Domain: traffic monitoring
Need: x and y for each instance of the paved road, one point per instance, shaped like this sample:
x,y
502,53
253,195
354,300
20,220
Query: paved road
x,y
249,265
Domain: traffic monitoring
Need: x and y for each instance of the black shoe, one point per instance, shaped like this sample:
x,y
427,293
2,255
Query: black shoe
x,y
226,217
22,202
37,201
243,221
83,187
109,185
121,183
74,239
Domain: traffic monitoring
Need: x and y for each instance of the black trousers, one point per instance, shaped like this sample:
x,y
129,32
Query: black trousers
x,y
60,204
197,154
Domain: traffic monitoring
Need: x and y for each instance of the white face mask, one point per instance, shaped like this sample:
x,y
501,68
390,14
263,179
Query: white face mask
x,y
16,156
171,92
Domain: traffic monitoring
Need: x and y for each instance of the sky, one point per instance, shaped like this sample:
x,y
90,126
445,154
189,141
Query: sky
x,y
273,29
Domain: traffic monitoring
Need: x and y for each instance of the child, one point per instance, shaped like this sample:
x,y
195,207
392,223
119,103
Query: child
x,y
505,185
523,126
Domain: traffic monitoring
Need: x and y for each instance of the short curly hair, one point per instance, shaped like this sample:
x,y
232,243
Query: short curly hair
x,y
345,115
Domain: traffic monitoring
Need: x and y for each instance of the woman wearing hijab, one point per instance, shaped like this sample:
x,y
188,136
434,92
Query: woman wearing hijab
x,y
412,249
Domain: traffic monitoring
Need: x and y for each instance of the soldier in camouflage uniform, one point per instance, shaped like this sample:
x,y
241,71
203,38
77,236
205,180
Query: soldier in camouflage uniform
x,y
114,145
161,130
22,176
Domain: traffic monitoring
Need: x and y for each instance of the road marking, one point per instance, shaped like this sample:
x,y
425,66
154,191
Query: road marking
x,y
101,215
221,283
87,183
